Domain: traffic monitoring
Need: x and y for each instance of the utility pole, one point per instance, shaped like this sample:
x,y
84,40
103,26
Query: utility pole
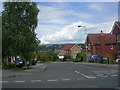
x,y
86,43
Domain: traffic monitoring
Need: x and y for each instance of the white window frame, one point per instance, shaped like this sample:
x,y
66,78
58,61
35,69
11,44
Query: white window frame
x,y
118,37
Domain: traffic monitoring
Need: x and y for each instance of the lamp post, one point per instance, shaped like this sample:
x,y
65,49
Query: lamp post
x,y
86,42
85,29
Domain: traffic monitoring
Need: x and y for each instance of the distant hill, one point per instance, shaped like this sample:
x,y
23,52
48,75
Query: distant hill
x,y
54,47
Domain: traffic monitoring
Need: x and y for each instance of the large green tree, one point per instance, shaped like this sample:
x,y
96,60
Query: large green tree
x,y
19,20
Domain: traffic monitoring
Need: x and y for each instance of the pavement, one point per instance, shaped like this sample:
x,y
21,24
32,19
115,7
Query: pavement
x,y
15,73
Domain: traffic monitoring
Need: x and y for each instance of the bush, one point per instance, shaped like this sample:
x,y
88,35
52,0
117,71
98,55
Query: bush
x,y
91,60
8,66
76,60
49,56
33,62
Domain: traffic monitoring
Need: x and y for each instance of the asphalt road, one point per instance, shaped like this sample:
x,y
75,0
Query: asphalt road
x,y
64,75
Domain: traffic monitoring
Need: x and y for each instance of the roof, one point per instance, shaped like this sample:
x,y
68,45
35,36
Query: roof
x,y
102,38
116,28
68,46
62,53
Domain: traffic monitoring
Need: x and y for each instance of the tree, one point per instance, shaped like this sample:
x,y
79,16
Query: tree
x,y
19,23
84,56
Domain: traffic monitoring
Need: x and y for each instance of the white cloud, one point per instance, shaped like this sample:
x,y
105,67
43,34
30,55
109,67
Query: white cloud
x,y
71,33
96,6
1,7
46,29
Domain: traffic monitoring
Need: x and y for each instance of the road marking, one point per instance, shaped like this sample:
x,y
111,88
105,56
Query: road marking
x,y
88,77
114,75
52,80
66,79
19,81
100,75
36,81
103,76
77,72
4,81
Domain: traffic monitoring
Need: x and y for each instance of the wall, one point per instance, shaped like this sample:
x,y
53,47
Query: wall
x,y
72,51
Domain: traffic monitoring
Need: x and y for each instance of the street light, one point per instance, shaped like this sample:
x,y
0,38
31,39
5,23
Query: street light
x,y
85,29
86,42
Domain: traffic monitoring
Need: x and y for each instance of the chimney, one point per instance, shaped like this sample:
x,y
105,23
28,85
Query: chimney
x,y
102,32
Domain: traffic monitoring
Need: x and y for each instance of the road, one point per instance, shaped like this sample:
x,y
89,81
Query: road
x,y
64,75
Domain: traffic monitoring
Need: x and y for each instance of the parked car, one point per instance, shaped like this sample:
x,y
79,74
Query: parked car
x,y
96,57
117,60
19,62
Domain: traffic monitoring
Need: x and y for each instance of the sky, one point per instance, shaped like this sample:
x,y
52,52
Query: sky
x,y
58,21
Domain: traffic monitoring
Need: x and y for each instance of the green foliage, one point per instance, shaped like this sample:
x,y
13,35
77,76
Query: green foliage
x,y
83,54
76,60
79,57
91,60
33,62
67,58
19,20
48,56
8,66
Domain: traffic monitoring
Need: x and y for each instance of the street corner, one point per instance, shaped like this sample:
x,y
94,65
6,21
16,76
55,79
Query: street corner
x,y
38,67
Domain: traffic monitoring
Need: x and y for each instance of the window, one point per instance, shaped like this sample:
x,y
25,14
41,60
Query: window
x,y
97,46
119,52
118,37
74,56
76,51
89,47
111,46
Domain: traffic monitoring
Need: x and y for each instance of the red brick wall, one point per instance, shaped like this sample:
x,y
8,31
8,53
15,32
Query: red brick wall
x,y
118,46
72,51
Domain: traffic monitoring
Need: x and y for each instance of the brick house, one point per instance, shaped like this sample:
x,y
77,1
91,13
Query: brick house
x,y
69,50
102,44
116,32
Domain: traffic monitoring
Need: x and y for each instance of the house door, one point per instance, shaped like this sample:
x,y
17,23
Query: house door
x,y
74,56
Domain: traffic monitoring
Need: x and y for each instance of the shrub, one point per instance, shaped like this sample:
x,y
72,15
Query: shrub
x,y
33,62
91,60
76,60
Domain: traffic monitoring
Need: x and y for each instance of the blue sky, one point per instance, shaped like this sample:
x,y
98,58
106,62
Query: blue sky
x,y
58,21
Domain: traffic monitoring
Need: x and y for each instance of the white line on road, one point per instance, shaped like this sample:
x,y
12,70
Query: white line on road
x,y
66,79
114,75
4,81
35,80
19,81
100,75
103,76
77,72
84,75
52,80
